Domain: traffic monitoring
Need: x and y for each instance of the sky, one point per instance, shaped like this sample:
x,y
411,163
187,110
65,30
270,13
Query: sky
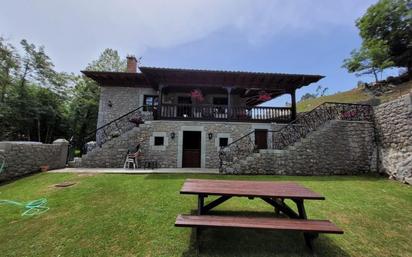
x,y
294,36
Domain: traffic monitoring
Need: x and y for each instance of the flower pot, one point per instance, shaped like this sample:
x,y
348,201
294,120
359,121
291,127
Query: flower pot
x,y
44,168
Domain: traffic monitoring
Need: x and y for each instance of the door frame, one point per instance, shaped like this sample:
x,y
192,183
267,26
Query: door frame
x,y
202,144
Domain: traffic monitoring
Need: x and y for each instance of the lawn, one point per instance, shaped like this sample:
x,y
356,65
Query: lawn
x,y
133,215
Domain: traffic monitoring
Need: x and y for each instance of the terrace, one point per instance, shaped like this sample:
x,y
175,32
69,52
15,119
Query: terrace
x,y
186,94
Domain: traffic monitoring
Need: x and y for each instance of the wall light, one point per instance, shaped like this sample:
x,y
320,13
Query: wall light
x,y
210,135
109,103
172,135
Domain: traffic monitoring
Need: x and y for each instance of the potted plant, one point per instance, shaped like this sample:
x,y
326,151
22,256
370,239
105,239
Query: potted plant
x,y
44,168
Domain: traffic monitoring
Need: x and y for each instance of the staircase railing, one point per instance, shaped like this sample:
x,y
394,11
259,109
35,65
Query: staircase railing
x,y
115,128
296,129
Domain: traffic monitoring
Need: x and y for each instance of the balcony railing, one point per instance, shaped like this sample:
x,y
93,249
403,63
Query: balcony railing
x,y
223,113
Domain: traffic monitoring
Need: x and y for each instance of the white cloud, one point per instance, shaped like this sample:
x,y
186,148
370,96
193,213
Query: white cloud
x,y
77,30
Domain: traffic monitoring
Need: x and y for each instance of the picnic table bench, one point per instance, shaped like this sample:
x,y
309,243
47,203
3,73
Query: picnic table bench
x,y
272,193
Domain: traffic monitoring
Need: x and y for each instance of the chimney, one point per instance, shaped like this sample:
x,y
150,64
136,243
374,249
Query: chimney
x,y
131,64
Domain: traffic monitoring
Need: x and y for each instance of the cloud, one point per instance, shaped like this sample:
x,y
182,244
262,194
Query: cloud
x,y
80,29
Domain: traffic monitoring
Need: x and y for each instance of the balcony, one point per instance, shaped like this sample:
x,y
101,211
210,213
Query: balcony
x,y
211,112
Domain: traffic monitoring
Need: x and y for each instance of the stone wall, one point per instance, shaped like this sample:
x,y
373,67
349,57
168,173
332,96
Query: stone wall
x,y
394,129
26,157
339,147
112,153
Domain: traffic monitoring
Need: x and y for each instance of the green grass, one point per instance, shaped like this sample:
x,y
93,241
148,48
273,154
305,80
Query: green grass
x,y
355,95
133,215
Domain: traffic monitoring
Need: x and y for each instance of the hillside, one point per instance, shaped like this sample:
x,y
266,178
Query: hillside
x,y
356,95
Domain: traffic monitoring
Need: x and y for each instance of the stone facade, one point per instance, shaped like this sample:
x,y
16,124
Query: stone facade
x,y
394,127
112,153
26,157
116,101
338,147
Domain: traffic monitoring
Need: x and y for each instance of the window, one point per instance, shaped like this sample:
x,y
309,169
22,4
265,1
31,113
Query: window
x,y
223,141
159,140
149,102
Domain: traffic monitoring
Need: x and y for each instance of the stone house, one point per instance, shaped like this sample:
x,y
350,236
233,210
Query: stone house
x,y
189,114
213,119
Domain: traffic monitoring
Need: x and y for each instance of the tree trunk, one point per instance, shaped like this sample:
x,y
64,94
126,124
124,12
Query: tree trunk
x,y
375,74
38,130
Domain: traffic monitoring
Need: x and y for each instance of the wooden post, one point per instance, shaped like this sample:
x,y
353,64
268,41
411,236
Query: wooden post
x,y
293,96
229,102
159,104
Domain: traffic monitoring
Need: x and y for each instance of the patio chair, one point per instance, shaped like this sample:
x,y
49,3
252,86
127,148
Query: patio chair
x,y
131,157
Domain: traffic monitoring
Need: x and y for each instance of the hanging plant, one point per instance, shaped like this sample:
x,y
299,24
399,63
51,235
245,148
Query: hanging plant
x,y
197,96
264,96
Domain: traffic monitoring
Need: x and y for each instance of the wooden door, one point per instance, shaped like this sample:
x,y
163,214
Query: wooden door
x,y
261,138
191,149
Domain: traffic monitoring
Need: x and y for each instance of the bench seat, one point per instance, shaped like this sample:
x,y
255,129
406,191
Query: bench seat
x,y
309,226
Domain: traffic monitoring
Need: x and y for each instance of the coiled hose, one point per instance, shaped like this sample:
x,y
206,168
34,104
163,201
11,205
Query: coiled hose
x,y
31,208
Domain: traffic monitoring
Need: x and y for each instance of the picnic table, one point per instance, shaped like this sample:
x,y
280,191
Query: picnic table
x,y
273,193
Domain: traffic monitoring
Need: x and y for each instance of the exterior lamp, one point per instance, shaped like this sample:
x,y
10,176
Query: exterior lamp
x,y
210,135
172,135
110,104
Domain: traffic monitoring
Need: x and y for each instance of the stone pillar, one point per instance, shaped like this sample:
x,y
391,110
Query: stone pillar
x,y
64,151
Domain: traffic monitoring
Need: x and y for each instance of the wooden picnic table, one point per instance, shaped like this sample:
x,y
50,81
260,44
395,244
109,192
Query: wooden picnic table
x,y
273,193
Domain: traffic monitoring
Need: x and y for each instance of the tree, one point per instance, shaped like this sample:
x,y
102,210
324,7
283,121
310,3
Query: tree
x,y
372,58
85,103
35,106
109,60
388,24
386,32
8,66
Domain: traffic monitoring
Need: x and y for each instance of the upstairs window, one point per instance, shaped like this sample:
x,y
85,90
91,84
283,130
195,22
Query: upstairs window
x,y
150,102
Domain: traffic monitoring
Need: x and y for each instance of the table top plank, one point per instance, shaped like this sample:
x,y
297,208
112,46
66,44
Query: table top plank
x,y
249,189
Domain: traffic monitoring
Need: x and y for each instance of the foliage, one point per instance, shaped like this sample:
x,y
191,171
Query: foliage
x,y
124,215
109,60
386,31
40,104
371,58
84,105
320,91
357,95
389,23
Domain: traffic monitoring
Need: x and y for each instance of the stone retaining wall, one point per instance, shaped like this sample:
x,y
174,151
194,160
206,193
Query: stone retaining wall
x,y
338,147
394,128
112,153
26,157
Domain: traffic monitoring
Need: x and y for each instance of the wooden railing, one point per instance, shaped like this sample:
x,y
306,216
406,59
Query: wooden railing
x,y
223,112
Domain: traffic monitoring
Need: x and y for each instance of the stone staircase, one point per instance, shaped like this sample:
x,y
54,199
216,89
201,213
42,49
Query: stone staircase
x,y
333,138
112,153
338,147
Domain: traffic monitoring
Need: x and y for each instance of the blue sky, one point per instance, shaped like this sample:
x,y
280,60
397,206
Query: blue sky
x,y
295,36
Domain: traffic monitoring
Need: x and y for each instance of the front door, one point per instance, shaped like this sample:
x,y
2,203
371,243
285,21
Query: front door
x,y
261,138
191,149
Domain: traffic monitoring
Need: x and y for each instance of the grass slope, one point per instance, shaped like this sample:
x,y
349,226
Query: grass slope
x,y
133,215
355,95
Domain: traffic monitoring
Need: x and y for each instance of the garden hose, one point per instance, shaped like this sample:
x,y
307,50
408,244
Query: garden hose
x,y
3,164
31,208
